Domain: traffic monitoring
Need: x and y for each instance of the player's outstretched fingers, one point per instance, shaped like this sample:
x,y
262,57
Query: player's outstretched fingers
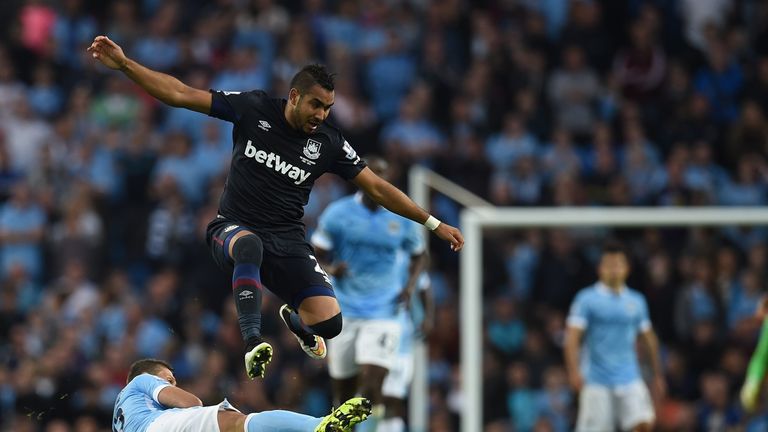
x,y
459,240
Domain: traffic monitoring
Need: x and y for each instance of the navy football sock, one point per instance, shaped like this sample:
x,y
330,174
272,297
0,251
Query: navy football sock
x,y
246,289
300,329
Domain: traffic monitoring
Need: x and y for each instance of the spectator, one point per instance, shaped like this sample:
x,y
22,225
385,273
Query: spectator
x,y
411,138
749,187
512,143
640,69
573,89
389,75
160,49
45,97
720,82
21,231
505,330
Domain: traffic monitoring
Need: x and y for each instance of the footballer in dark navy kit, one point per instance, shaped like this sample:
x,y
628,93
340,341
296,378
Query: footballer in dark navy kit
x,y
280,148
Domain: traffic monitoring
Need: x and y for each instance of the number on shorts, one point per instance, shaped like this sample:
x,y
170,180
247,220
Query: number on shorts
x,y
320,269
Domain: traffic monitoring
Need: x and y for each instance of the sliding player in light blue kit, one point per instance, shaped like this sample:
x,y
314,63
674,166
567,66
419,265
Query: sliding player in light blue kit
x,y
151,402
358,243
609,317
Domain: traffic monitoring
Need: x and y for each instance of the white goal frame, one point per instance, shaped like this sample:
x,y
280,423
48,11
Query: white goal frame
x,y
479,215
475,220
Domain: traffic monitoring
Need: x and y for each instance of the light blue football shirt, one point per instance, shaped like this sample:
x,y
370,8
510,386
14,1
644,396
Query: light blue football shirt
x,y
369,242
137,406
611,322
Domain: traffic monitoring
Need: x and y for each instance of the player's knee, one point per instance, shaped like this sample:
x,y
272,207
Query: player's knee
x,y
329,328
248,249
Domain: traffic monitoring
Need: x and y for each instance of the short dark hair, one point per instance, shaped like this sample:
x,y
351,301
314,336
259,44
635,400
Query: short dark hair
x,y
613,246
313,74
148,365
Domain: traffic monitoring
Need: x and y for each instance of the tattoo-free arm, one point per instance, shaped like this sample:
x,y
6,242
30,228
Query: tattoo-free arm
x,y
163,87
394,200
572,347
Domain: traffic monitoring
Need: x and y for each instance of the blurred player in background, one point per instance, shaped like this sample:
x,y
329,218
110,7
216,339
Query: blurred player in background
x,y
359,243
280,148
750,391
151,402
607,317
417,319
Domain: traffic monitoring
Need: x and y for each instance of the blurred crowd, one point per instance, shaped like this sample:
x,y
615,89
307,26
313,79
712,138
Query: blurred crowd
x,y
104,193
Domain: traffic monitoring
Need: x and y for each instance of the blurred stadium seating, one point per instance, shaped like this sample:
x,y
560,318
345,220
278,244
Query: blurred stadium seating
x,y
105,193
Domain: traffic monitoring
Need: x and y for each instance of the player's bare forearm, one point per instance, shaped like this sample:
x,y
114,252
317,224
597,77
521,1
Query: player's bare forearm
x,y
659,385
166,88
428,300
652,345
571,349
571,352
163,87
394,200
415,267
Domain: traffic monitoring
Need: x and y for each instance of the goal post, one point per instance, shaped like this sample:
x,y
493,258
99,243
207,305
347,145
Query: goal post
x,y
475,219
421,181
478,215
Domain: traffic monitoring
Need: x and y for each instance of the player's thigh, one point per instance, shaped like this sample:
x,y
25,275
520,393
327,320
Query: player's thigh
x,y
342,363
634,405
398,380
302,284
378,342
596,410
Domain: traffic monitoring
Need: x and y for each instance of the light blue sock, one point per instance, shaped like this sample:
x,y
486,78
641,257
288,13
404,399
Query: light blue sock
x,y
280,421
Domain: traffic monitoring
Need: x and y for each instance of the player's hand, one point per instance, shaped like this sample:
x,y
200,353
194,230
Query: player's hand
x,y
107,52
451,235
576,381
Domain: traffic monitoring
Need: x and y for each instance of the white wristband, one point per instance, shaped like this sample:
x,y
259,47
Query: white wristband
x,y
432,223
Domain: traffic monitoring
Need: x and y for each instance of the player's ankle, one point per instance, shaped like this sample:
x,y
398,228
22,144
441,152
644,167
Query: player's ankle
x,y
252,342
309,340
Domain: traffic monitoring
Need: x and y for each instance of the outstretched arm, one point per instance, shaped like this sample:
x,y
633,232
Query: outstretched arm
x,y
163,87
394,200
